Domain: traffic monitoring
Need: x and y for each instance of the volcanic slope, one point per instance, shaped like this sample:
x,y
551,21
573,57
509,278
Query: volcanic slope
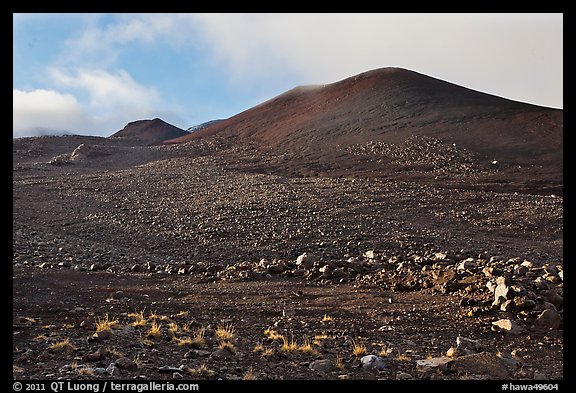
x,y
149,131
392,122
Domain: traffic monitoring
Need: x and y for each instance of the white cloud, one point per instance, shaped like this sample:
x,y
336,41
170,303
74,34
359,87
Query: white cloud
x,y
107,90
503,54
100,44
46,111
113,99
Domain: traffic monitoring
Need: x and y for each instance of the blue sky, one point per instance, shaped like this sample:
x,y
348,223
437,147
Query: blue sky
x,y
91,74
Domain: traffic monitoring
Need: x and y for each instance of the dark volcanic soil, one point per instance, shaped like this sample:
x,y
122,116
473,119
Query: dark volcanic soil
x,y
202,236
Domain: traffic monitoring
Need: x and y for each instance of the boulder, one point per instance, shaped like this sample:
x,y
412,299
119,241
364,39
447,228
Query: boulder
x,y
370,362
306,260
548,319
125,363
322,365
507,325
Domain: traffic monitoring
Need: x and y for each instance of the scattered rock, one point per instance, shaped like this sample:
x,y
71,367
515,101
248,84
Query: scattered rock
x,y
464,346
373,362
96,356
371,254
548,319
507,325
322,365
222,353
403,376
99,370
552,296
502,292
468,344
483,363
59,160
440,363
101,335
112,370
125,363
194,353
306,260
170,369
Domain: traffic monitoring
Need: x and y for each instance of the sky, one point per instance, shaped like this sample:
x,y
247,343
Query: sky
x,y
91,74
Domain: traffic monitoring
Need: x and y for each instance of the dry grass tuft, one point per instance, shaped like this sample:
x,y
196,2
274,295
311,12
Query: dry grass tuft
x,y
289,346
307,347
319,337
173,328
273,334
358,349
229,346
327,318
249,375
105,323
402,357
339,364
224,333
115,353
138,361
385,351
198,341
62,346
154,316
265,352
86,371
201,371
182,342
155,330
139,319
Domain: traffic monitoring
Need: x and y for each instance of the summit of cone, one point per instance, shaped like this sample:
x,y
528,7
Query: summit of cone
x,y
149,131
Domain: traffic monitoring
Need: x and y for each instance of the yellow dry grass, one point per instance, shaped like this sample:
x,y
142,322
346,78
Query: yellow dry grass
x,y
358,349
224,332
105,323
62,346
155,330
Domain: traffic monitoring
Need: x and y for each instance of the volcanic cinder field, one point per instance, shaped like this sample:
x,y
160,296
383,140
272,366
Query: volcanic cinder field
x,y
387,226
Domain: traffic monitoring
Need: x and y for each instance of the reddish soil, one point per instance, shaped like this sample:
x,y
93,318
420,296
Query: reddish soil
x,y
310,130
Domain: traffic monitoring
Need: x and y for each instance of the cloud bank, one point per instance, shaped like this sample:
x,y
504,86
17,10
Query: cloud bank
x,y
45,112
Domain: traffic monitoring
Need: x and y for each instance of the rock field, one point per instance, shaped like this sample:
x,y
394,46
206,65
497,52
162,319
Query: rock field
x,y
248,273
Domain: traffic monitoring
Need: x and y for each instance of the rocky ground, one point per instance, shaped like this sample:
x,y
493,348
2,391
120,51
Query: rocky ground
x,y
195,262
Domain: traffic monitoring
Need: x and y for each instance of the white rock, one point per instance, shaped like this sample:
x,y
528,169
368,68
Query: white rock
x,y
373,362
467,343
306,260
508,326
440,363
527,264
